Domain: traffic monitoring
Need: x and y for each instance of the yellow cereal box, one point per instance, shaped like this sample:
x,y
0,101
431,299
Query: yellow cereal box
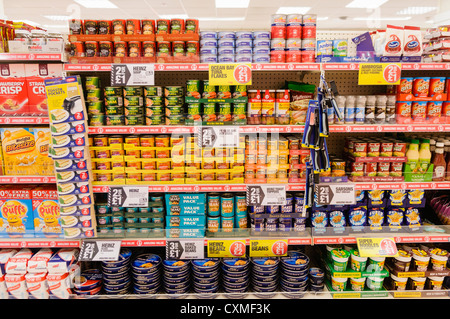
x,y
44,164
19,151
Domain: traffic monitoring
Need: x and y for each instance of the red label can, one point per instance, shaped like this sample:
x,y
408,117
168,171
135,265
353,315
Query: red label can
x,y
104,26
437,85
294,31
91,49
277,56
148,48
293,56
134,49
278,32
148,26
133,26
371,169
119,26
308,56
396,169
446,109
120,48
309,32
383,169
77,49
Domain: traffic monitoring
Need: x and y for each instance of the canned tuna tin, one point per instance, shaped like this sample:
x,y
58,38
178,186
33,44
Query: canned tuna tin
x,y
173,100
173,91
113,91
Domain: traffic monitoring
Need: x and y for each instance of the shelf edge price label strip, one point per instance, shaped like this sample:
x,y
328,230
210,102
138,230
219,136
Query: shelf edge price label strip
x,y
377,247
69,151
132,74
268,248
177,249
128,196
226,248
266,195
99,250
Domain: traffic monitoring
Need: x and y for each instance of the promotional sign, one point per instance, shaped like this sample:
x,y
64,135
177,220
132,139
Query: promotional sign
x,y
230,74
99,250
128,196
268,248
185,249
132,74
266,195
377,247
334,194
226,248
379,73
218,137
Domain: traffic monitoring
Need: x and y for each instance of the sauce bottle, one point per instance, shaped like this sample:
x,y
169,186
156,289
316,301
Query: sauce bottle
x,y
413,155
424,155
439,163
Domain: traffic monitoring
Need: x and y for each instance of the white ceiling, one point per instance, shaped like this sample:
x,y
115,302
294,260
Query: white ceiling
x,y
256,17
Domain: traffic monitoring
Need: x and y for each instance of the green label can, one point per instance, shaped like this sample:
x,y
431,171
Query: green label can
x,y
112,120
133,91
224,92
174,110
240,91
92,82
93,95
114,110
209,112
175,120
134,110
113,101
113,91
224,112
209,91
154,100
193,88
153,90
96,120
194,111
155,110
173,100
173,91
155,120
95,107
134,120
133,101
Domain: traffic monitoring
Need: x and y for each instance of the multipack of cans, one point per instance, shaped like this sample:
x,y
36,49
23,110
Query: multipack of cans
x,y
293,38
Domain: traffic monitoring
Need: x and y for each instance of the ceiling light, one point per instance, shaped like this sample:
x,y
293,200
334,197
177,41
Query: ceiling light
x,y
173,16
366,4
58,18
222,19
385,19
416,10
232,3
96,4
293,10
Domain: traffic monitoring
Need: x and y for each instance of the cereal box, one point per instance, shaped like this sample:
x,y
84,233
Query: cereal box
x,y
13,91
44,164
16,210
36,73
46,212
19,151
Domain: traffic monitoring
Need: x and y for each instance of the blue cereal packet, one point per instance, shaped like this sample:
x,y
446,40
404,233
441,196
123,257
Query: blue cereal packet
x,y
395,217
319,219
357,216
415,198
375,217
412,217
376,198
397,197
360,197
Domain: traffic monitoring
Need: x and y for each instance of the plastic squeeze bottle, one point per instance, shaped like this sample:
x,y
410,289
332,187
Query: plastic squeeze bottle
x,y
439,163
424,155
412,155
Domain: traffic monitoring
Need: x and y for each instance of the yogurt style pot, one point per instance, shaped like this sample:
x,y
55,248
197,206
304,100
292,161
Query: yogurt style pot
x,y
124,258
176,265
235,264
146,263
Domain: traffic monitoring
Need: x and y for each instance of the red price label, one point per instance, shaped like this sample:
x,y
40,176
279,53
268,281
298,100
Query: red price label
x,y
392,73
79,128
81,165
78,116
279,248
237,249
84,176
388,246
243,74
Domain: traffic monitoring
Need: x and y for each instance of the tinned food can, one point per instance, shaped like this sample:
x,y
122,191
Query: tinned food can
x,y
147,26
133,26
133,91
134,120
91,48
120,48
193,88
153,91
105,49
104,26
113,91
148,49
119,26
134,49
173,91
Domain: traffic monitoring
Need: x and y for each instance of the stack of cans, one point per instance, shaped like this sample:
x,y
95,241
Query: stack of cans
x,y
89,283
293,38
154,105
177,276
95,106
146,272
114,110
116,274
239,47
235,275
206,276
294,274
264,277
133,102
174,105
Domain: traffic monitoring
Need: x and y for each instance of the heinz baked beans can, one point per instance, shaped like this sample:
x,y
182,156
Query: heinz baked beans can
x,y
119,26
104,26
133,26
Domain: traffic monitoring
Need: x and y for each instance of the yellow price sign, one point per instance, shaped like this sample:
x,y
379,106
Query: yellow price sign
x,y
377,247
226,248
230,74
268,248
379,73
